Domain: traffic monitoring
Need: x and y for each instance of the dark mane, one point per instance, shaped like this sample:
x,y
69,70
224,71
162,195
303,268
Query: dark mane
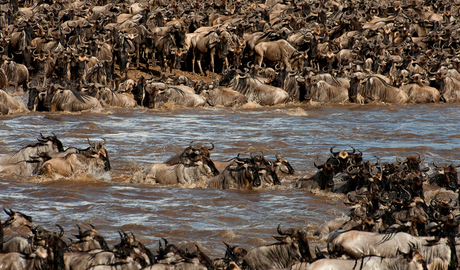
x,y
81,97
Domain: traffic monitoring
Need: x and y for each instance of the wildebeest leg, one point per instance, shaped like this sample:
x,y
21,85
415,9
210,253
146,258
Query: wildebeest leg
x,y
226,63
193,60
199,63
46,170
212,61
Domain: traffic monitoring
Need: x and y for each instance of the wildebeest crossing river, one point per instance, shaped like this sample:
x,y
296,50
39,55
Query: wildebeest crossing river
x,y
138,137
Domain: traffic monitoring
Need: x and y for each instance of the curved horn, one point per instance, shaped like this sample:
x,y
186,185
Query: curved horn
x,y
212,148
92,144
61,233
288,232
332,148
10,213
29,85
314,163
227,245
278,229
354,150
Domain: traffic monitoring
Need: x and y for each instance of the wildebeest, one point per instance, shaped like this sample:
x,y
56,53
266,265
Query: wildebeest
x,y
281,165
358,244
17,74
292,248
19,261
193,167
412,261
449,87
239,174
166,47
208,43
48,255
109,98
10,105
419,93
16,219
45,144
181,95
222,96
26,167
321,91
274,51
96,74
85,260
375,89
60,99
96,158
256,91
89,240
3,80
190,151
446,177
323,179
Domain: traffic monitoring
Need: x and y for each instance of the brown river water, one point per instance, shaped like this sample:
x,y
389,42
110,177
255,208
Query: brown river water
x,y
139,137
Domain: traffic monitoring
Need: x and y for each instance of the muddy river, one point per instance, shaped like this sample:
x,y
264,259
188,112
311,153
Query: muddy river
x,y
139,137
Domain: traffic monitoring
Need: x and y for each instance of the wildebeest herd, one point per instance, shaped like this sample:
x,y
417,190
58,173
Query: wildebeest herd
x,y
72,56
84,55
391,223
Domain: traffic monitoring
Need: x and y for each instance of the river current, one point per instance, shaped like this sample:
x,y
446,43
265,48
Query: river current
x,y
187,216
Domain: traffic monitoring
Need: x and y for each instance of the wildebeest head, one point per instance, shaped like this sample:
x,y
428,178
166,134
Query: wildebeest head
x,y
265,169
282,165
235,253
16,219
36,100
250,172
223,45
228,76
353,90
56,143
411,163
138,90
85,237
97,150
305,87
298,239
447,177
326,175
192,156
179,36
